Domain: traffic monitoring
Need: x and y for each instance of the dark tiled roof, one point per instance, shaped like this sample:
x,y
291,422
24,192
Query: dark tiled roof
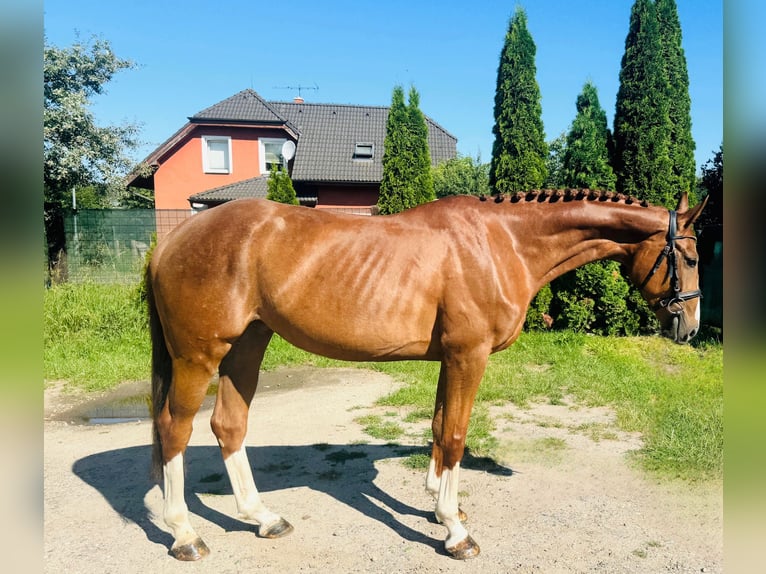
x,y
253,187
245,106
329,133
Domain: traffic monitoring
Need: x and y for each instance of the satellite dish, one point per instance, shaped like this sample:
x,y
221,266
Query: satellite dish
x,y
288,150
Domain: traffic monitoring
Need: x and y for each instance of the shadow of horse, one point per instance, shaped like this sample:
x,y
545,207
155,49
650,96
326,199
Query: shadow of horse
x,y
344,472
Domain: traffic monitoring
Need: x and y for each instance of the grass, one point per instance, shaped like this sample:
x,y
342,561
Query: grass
x,y
377,427
95,337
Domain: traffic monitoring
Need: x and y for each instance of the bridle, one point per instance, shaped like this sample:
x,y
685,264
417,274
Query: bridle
x,y
669,251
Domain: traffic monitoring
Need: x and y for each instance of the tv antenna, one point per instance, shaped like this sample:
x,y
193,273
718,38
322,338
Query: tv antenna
x,y
299,87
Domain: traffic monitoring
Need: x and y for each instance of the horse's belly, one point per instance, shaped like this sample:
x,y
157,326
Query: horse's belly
x,y
355,337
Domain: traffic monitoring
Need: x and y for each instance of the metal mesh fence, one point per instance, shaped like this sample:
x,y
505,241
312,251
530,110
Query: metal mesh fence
x,y
110,245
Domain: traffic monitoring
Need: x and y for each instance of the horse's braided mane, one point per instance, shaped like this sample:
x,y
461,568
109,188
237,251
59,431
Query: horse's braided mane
x,y
568,194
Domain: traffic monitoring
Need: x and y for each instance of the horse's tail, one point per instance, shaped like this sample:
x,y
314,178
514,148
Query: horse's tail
x,y
162,372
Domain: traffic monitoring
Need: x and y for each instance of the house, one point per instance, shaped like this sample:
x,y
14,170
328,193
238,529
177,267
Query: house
x,y
333,153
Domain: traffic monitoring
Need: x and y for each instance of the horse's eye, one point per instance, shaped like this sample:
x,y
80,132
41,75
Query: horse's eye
x,y
691,262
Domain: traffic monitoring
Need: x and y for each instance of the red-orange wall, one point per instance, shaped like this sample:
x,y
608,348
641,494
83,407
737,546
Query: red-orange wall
x,y
180,173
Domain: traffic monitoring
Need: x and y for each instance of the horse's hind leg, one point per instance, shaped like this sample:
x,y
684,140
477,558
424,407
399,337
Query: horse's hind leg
x,y
238,379
174,424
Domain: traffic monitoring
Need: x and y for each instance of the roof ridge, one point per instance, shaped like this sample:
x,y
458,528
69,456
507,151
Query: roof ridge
x,y
246,93
291,103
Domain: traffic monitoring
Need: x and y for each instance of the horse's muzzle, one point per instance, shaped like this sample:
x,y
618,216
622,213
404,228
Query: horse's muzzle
x,y
680,331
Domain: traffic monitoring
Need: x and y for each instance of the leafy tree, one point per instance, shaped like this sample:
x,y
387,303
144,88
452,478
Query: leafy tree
x,y
461,176
555,162
681,145
76,151
711,184
134,197
407,179
641,160
519,151
280,187
586,156
709,229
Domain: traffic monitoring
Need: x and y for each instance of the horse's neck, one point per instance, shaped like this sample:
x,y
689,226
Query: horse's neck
x,y
553,239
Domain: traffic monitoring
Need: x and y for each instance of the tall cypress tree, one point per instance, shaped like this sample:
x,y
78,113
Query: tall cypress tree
x,y
519,151
407,179
423,179
681,150
586,156
396,157
642,123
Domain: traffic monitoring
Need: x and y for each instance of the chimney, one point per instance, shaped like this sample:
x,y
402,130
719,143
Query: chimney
x,y
298,100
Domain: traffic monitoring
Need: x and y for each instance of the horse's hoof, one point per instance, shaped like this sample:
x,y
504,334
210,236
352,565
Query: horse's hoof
x,y
464,550
190,552
280,528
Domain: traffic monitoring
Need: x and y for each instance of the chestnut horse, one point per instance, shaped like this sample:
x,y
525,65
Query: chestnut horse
x,y
448,281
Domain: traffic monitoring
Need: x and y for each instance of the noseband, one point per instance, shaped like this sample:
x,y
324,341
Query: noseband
x,y
669,251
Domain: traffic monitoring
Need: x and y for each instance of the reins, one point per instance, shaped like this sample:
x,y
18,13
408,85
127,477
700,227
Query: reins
x,y
669,251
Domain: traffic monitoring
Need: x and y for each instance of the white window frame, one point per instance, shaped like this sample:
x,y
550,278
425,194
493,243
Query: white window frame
x,y
206,168
262,152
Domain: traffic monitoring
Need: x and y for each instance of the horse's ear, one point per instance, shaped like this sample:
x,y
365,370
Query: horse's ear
x,y
693,214
683,203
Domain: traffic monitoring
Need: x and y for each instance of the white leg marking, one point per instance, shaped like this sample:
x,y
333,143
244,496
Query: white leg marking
x,y
447,507
432,481
249,503
175,512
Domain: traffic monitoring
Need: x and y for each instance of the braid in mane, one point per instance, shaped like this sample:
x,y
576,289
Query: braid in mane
x,y
567,194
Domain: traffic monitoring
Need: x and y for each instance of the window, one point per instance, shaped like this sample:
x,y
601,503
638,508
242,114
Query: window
x,y
363,150
216,154
271,154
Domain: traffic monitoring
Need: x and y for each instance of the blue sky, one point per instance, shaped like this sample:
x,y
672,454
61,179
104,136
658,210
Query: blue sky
x,y
193,54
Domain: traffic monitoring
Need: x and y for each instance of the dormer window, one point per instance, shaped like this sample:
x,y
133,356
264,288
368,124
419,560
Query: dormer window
x,y
363,150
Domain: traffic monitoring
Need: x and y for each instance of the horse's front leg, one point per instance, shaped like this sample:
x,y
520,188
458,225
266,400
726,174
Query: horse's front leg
x,y
460,377
433,480
236,386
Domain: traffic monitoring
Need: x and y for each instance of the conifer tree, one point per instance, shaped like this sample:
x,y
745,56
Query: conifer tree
x,y
407,179
423,179
591,298
519,151
394,188
681,146
586,155
642,123
280,187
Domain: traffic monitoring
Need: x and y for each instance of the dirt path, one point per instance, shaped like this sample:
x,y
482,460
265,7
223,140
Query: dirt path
x,y
564,500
